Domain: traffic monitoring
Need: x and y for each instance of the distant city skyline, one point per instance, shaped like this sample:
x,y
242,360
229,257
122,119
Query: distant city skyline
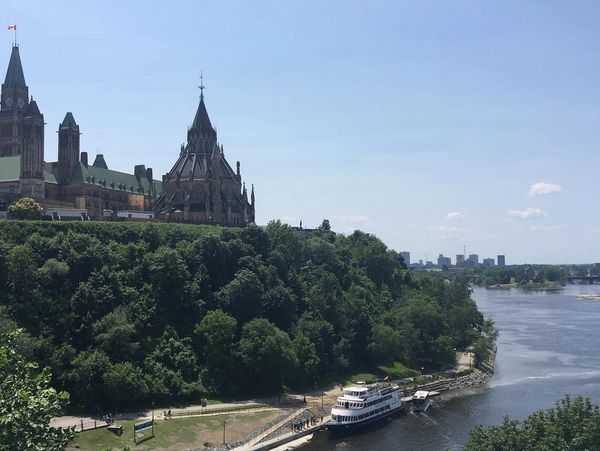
x,y
432,125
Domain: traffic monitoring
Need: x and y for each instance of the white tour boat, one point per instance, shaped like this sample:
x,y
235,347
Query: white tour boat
x,y
362,404
420,401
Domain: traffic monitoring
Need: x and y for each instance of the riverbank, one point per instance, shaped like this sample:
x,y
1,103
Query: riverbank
x,y
284,434
290,418
534,286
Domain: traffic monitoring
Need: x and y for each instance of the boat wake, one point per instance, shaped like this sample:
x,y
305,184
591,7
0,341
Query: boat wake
x,y
574,375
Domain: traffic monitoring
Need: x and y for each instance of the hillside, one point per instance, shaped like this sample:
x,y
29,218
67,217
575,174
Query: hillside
x,y
128,313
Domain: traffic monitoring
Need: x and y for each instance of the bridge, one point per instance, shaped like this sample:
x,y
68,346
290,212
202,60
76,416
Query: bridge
x,y
589,279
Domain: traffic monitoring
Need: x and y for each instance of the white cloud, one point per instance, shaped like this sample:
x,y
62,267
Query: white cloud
x,y
445,232
528,213
349,223
455,215
290,220
541,188
402,229
595,230
548,228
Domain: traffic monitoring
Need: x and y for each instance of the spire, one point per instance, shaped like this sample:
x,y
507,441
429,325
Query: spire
x,y
201,86
201,120
14,74
252,197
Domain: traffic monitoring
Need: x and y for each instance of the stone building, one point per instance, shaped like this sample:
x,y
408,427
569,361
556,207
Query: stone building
x,y
202,186
71,182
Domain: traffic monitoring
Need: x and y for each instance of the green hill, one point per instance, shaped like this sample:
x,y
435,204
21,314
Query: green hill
x,y
128,313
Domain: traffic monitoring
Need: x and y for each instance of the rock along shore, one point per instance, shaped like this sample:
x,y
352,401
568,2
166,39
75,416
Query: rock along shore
x,y
479,376
280,434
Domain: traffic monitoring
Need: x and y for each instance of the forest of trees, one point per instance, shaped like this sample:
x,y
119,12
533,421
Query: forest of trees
x,y
127,314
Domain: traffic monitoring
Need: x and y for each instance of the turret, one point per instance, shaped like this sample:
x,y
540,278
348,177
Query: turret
x,y
32,156
68,148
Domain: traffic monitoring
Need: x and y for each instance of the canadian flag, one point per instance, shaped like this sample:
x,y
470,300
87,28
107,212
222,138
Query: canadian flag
x,y
12,27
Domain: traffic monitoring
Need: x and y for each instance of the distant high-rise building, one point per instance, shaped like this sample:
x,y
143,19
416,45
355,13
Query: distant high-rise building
x,y
460,259
488,262
501,261
406,256
474,259
420,262
443,261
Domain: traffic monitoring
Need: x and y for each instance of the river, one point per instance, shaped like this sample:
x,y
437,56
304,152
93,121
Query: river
x,y
547,348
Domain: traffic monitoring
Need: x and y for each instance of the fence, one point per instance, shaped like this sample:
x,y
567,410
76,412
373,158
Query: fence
x,y
86,425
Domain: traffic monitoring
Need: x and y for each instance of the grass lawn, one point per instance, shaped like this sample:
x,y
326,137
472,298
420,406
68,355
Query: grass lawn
x,y
176,433
396,371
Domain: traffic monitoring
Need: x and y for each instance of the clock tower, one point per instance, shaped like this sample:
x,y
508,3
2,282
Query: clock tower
x,y
14,101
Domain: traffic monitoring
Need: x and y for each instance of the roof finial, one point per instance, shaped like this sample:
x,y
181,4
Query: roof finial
x,y
201,86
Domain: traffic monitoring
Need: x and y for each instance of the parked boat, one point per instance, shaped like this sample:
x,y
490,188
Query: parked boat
x,y
421,401
589,297
362,404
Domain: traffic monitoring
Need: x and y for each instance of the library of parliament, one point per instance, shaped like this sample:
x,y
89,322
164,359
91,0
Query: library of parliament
x,y
201,187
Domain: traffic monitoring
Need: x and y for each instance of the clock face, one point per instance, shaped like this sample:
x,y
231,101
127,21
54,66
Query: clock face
x,y
21,103
9,102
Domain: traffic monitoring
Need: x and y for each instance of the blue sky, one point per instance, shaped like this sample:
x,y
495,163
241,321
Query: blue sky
x,y
425,123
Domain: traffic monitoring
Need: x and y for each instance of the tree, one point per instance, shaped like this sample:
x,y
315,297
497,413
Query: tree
x,y
242,296
570,425
216,333
267,354
87,377
325,226
125,384
387,345
27,403
25,208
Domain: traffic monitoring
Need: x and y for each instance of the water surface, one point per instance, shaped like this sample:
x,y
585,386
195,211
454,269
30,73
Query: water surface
x,y
548,347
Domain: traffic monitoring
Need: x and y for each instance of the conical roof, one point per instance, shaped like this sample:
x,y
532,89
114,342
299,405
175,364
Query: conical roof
x,y
99,162
14,73
69,121
201,120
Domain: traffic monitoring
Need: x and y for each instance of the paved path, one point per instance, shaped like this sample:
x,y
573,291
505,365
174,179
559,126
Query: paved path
x,y
466,361
191,411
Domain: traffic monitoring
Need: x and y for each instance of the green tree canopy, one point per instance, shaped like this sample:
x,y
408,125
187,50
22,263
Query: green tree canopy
x,y
27,403
573,424
267,354
209,310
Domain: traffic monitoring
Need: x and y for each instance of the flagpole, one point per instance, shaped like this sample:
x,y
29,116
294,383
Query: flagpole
x,y
15,35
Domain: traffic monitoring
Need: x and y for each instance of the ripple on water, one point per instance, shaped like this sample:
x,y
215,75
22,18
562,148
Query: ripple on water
x,y
548,347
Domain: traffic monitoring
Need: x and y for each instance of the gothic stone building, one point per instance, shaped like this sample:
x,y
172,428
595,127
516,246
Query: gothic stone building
x,y
202,186
71,182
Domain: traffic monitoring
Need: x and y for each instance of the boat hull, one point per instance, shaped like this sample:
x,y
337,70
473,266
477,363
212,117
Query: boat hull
x,y
348,428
